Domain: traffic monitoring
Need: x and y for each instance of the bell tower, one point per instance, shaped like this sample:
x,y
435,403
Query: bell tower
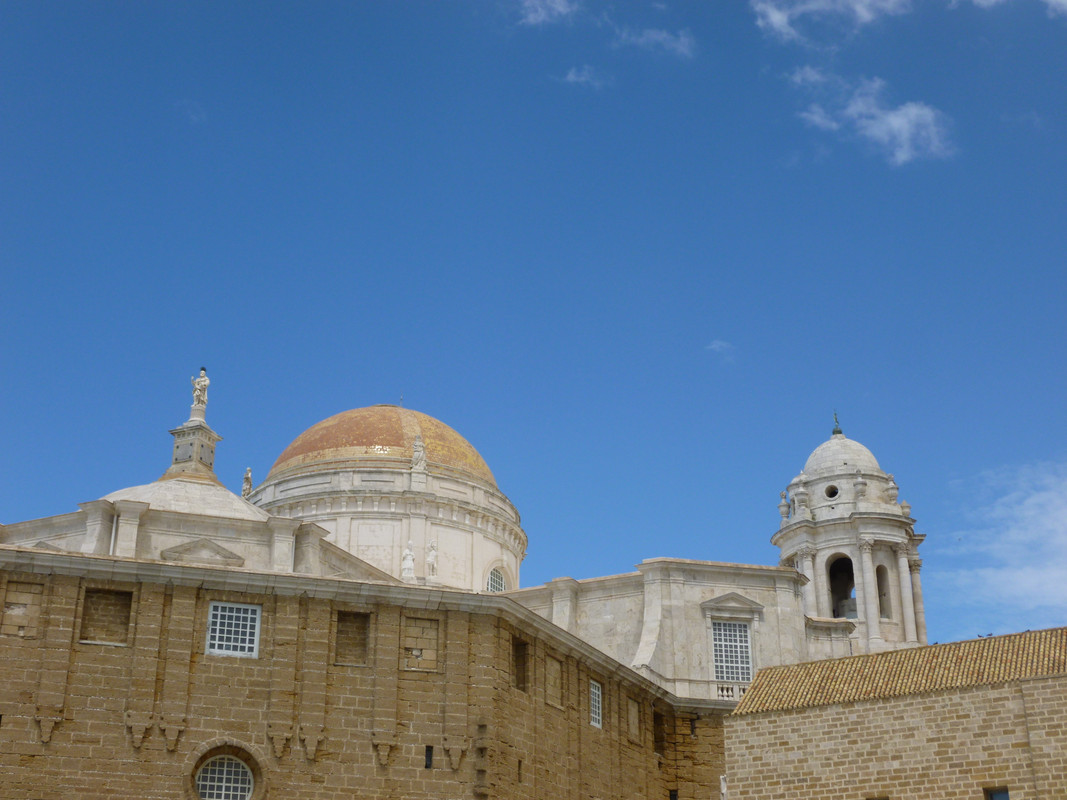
x,y
843,527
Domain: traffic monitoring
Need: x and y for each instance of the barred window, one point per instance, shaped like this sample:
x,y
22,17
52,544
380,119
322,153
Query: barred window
x,y
733,658
224,778
496,582
233,630
596,704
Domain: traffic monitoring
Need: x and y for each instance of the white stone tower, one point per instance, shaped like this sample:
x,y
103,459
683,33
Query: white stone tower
x,y
845,531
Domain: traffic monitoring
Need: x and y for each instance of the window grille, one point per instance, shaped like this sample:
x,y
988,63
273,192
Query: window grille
x,y
733,657
596,704
224,778
233,629
496,582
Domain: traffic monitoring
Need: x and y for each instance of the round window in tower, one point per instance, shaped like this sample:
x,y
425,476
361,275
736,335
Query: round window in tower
x,y
224,778
831,491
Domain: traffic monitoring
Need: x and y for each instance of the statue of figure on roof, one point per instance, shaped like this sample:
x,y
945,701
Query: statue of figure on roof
x,y
246,484
407,562
200,388
418,453
431,560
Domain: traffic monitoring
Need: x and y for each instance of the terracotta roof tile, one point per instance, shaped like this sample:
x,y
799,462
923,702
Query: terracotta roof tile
x,y
975,662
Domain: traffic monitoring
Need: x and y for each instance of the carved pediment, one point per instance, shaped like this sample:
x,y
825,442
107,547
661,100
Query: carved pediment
x,y
49,546
202,551
732,606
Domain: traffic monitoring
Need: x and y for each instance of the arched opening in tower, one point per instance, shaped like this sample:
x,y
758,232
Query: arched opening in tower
x,y
842,588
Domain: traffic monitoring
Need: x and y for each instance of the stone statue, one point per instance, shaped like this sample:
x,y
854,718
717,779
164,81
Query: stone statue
x,y
200,388
431,560
407,562
418,454
246,484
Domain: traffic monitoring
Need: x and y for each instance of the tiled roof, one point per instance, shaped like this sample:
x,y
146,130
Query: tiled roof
x,y
918,670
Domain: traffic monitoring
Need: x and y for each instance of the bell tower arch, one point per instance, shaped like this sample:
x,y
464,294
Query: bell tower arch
x,y
845,529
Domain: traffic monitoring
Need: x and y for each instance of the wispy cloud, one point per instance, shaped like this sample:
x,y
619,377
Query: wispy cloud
x,y
903,133
724,350
1054,6
542,12
585,75
1009,571
681,44
907,132
779,18
191,111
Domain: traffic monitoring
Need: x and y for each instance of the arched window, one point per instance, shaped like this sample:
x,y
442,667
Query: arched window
x,y
224,778
884,610
842,588
496,582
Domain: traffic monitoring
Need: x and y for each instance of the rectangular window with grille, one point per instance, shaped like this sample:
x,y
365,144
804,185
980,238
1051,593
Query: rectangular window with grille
x,y
733,657
596,704
233,629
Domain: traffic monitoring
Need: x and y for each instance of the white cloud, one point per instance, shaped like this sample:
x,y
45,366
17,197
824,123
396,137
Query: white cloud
x,y
724,350
808,76
1009,572
541,12
902,133
1054,6
778,17
909,131
816,116
585,75
681,44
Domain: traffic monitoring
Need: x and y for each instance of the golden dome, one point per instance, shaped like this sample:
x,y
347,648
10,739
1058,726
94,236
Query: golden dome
x,y
380,437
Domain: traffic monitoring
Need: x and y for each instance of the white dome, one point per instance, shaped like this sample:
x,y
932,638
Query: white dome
x,y
838,455
206,498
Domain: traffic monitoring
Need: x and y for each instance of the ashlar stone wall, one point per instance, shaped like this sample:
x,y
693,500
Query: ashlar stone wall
x,y
945,746
109,689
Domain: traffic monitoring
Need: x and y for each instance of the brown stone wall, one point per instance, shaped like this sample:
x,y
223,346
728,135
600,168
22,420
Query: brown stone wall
x,y
942,746
111,693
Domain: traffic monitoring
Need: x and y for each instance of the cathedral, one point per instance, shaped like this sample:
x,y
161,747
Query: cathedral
x,y
355,626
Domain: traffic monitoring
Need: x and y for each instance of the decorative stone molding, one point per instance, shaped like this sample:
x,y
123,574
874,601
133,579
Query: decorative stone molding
x,y
202,551
279,734
139,724
311,736
866,544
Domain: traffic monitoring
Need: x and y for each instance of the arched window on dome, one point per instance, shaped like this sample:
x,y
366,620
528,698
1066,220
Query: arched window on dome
x,y
224,777
496,582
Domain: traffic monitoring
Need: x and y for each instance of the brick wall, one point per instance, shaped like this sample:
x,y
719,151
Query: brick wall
x,y
945,746
116,695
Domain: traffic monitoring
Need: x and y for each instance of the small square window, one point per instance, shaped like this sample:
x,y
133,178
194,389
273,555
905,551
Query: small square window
x,y
233,629
996,794
596,704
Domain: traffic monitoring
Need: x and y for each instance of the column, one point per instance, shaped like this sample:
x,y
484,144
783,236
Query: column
x,y
915,563
822,592
806,561
870,590
907,605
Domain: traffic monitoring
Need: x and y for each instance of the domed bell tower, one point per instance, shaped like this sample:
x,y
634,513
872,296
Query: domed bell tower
x,y
845,529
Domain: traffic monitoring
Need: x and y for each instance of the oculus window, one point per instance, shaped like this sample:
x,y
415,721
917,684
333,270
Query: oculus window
x,y
224,778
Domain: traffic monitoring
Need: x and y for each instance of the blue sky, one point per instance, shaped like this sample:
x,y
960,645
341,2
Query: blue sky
x,y
636,253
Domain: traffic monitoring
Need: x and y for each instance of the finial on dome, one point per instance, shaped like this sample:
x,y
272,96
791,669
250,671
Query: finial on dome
x,y
837,426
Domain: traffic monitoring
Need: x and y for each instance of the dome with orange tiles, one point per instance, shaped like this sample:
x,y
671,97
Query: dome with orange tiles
x,y
380,437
